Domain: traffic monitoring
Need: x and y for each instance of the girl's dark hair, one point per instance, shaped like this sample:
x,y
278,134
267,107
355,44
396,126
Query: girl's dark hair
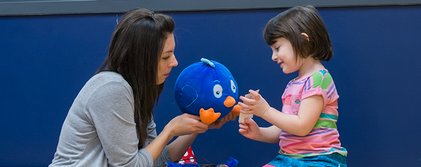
x,y
134,52
294,21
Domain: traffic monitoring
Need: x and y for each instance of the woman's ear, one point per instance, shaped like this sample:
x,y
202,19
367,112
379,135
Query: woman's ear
x,y
305,36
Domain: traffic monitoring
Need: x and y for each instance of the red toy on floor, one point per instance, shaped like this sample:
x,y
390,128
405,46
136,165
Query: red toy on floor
x,y
188,157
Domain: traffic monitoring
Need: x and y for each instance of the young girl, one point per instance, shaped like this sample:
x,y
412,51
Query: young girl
x,y
306,128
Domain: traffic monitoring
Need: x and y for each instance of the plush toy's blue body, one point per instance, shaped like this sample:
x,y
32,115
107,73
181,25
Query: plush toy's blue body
x,y
206,85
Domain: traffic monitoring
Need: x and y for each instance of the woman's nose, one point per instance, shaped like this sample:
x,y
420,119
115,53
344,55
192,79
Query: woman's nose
x,y
175,62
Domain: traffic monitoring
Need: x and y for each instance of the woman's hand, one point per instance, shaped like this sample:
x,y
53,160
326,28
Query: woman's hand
x,y
185,124
254,103
249,129
219,123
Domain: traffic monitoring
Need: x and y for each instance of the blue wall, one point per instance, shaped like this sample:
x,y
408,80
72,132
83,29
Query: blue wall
x,y
45,60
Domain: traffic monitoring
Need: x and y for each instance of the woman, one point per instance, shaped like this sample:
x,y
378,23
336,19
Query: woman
x,y
110,123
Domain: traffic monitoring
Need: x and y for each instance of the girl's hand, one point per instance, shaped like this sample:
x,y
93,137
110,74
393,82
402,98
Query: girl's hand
x,y
219,123
249,129
253,103
186,124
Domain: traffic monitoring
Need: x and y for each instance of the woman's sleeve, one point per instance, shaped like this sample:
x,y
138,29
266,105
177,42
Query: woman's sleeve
x,y
111,110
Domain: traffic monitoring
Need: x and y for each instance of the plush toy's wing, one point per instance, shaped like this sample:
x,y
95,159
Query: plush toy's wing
x,y
185,97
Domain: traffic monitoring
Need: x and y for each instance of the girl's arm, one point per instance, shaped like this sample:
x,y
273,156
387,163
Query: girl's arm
x,y
251,130
300,124
270,134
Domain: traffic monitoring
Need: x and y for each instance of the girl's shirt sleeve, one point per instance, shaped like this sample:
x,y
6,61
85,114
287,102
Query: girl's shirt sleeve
x,y
320,83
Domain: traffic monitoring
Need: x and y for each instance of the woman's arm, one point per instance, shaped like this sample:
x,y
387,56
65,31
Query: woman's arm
x,y
178,147
158,144
186,126
110,110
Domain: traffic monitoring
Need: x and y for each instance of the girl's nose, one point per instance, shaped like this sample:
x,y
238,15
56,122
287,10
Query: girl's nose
x,y
274,57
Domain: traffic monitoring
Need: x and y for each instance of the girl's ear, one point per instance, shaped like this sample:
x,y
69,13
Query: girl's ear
x,y
305,36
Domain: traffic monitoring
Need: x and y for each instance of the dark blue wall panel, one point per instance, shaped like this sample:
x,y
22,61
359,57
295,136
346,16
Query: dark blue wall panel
x,y
376,67
45,62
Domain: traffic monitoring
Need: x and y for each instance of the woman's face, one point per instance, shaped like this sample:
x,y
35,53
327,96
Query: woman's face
x,y
167,60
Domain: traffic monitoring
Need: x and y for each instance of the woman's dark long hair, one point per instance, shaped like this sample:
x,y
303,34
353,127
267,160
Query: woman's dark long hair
x,y
134,52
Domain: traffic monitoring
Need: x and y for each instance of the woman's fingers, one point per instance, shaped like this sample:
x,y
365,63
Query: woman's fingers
x,y
188,124
191,116
200,130
200,125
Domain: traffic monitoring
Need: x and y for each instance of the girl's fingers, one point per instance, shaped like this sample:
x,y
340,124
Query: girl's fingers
x,y
244,99
243,106
255,94
248,100
245,111
243,126
247,121
243,132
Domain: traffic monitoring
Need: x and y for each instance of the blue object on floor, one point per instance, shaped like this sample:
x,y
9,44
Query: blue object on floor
x,y
231,162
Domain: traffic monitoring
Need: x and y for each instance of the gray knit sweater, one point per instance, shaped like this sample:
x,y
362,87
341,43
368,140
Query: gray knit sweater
x,y
100,130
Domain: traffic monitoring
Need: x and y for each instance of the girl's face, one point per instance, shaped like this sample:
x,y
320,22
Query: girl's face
x,y
167,60
283,54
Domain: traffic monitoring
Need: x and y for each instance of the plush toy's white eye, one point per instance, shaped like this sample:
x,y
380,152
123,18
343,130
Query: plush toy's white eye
x,y
217,91
233,87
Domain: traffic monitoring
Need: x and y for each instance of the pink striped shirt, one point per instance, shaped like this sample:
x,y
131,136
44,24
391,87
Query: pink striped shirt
x,y
324,137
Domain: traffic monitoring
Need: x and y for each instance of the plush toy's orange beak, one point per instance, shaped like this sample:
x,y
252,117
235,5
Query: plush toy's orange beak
x,y
229,101
208,116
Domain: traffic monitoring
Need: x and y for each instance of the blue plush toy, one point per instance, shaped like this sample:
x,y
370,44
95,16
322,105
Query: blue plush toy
x,y
207,89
